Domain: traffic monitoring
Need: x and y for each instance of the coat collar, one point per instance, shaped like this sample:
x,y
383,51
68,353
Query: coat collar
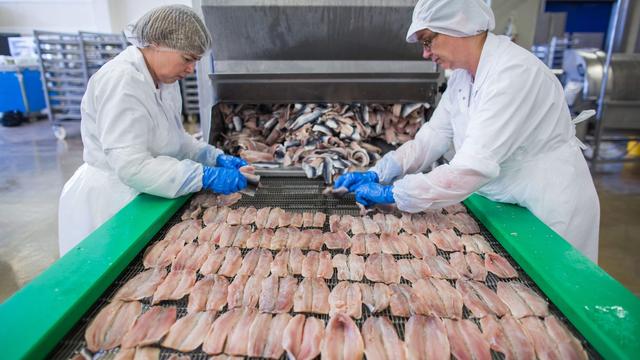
x,y
487,59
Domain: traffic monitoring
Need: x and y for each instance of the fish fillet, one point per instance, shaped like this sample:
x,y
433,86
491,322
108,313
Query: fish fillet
x,y
499,266
568,346
372,244
249,262
426,338
337,240
390,243
262,215
191,257
340,263
249,216
232,262
400,300
227,234
302,337
175,286
273,349
358,244
521,300
189,331
274,217
466,340
216,338
235,291
342,339
210,293
107,329
464,223
507,336
446,240
440,268
242,235
235,216
296,258
545,345
206,234
258,334
318,219
381,342
468,265
150,327
479,299
161,254
357,226
315,238
238,337
475,243
280,264
346,298
213,262
370,226
419,245
307,219
142,285
279,240
251,293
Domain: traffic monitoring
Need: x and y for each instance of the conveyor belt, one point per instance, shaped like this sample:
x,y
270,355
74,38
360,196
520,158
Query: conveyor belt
x,y
293,194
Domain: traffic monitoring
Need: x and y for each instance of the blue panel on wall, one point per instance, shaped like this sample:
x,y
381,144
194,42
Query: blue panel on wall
x,y
11,96
583,16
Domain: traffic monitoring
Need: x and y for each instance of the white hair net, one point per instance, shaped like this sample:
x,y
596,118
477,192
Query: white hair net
x,y
176,27
458,18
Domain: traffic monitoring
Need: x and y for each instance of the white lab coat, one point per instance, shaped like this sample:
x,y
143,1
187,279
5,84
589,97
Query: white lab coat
x,y
133,142
514,142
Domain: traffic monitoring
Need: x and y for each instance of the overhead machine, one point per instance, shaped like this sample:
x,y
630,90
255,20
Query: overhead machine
x,y
284,60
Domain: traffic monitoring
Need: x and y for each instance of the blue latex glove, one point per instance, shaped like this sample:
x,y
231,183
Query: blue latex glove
x,y
223,180
230,162
372,193
352,180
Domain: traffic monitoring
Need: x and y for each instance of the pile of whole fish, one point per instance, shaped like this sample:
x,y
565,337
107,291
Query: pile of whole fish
x,y
326,140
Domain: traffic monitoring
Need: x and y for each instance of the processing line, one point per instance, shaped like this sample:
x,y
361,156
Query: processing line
x,y
294,62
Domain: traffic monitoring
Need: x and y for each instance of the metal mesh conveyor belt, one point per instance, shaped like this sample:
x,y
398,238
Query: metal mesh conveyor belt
x,y
294,194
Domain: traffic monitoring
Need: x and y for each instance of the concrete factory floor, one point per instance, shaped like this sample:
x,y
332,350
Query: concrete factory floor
x,y
34,167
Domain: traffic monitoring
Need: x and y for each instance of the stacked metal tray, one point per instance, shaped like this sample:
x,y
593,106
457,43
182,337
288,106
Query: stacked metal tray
x,y
294,194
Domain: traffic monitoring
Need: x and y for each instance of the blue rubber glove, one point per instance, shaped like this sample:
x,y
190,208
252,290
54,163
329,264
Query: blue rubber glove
x,y
230,162
372,193
352,180
222,180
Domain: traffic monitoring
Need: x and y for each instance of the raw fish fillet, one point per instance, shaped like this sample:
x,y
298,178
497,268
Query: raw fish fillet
x,y
440,268
479,299
254,239
521,300
142,353
263,267
184,232
191,213
108,328
296,258
413,269
357,226
466,340
375,297
249,262
446,240
507,336
277,294
342,339
269,294
302,338
232,262
161,254
499,266
401,300
546,345
476,243
370,226
142,285
175,286
391,244
225,235
213,262
295,239
568,346
392,224
208,294
346,298
235,216
419,245
437,221
346,223
217,217
439,297
251,294
258,334
243,234
319,219
315,238
470,265
307,219
235,292
273,349
340,263
274,218
228,200
296,220
408,225
267,236
192,256
312,295
426,338
285,219
337,240
372,244
189,332
381,342
382,268
464,223
150,327
262,215
280,264
249,216
206,234
238,337
216,338
334,223
455,208
356,267
358,244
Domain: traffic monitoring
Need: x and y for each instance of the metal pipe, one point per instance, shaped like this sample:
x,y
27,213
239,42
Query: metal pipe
x,y
605,78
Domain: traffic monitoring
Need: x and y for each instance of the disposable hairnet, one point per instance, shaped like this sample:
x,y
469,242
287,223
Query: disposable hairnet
x,y
458,18
176,27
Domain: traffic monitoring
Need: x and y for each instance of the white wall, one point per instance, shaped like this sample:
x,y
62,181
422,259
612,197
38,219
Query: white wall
x,y
24,16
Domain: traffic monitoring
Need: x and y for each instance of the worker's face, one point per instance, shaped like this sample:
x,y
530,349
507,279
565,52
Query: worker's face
x,y
173,65
439,48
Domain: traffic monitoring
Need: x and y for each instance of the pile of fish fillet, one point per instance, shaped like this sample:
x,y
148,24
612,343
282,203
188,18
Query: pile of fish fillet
x,y
326,140
267,282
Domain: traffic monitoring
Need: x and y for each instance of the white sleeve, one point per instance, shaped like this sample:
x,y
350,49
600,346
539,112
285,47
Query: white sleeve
x,y
199,151
500,124
432,141
123,127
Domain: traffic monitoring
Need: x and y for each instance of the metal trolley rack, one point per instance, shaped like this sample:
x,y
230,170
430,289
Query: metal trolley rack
x,y
100,48
64,76
189,90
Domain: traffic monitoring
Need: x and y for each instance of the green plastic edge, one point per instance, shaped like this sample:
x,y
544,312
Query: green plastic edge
x,y
604,311
38,316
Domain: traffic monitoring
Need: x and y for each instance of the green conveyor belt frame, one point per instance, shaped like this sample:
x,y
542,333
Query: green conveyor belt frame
x,y
38,316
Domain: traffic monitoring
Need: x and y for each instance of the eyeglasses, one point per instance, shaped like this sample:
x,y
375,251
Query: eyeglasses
x,y
428,42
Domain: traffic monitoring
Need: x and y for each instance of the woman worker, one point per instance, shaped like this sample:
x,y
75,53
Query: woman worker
x,y
505,113
132,128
